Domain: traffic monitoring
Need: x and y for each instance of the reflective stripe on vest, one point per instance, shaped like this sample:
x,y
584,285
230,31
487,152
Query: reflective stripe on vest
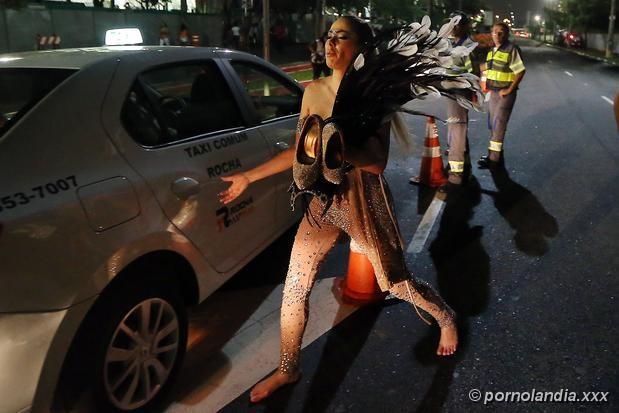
x,y
468,66
456,166
518,67
496,146
499,74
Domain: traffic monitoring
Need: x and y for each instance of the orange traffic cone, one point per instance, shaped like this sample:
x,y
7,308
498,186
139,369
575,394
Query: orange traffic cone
x,y
359,286
431,173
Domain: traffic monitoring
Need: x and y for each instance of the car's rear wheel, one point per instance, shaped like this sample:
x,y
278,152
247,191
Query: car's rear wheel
x,y
141,348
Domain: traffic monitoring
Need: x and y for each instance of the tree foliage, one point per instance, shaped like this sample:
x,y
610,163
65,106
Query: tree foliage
x,y
584,15
13,4
398,10
470,7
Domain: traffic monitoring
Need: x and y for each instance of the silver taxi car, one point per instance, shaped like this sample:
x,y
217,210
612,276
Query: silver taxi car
x,y
110,225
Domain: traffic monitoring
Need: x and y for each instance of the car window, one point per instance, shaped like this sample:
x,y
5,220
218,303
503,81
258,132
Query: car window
x,y
177,102
22,88
270,95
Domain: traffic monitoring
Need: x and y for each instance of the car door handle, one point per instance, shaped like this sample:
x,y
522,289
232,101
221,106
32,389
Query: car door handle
x,y
281,146
185,187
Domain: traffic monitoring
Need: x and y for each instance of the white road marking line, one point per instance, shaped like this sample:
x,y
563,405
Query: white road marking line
x,y
425,226
253,351
608,100
568,73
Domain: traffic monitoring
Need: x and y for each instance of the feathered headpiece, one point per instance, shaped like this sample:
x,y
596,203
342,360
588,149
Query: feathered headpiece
x,y
397,66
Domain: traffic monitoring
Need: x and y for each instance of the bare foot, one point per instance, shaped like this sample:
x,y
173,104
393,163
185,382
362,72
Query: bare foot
x,y
267,386
449,341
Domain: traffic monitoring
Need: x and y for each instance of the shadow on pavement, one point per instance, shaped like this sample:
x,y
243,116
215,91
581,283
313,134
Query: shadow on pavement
x,y
268,268
215,322
524,213
342,348
463,273
424,198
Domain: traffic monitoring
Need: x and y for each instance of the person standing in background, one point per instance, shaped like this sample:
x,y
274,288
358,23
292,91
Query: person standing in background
x,y
458,116
183,36
505,70
253,34
236,35
164,35
318,59
279,35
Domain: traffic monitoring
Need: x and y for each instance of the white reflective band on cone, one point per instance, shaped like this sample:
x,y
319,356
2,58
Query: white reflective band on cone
x,y
431,130
432,152
456,166
495,146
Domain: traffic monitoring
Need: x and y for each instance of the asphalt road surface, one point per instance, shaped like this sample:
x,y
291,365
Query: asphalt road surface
x,y
528,257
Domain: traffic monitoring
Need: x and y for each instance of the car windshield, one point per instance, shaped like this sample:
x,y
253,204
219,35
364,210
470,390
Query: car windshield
x,y
22,88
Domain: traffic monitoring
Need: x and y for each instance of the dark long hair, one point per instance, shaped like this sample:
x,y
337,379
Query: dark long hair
x,y
362,29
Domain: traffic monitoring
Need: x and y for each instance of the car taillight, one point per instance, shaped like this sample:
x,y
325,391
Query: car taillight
x,y
571,36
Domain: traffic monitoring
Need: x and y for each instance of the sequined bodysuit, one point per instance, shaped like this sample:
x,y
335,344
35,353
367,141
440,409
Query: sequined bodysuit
x,y
362,209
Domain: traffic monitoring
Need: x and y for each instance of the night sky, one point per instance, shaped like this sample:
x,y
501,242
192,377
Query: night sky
x,y
519,7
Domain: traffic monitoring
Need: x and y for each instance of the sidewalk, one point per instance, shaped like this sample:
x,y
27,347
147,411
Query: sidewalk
x,y
294,60
292,54
589,53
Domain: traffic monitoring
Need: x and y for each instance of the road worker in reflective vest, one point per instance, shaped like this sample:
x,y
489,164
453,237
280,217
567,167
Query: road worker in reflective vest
x,y
458,117
504,72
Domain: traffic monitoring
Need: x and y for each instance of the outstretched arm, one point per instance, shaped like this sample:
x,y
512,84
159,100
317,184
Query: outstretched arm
x,y
279,163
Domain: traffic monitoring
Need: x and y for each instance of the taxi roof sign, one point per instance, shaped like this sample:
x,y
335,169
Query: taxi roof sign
x,y
122,37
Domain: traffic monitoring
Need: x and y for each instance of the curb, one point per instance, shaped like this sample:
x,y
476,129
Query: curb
x,y
579,53
296,67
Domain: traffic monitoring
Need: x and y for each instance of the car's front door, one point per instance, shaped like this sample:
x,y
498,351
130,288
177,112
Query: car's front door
x,y
183,130
275,102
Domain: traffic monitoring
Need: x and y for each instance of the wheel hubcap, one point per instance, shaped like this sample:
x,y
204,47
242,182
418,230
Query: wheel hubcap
x,y
141,354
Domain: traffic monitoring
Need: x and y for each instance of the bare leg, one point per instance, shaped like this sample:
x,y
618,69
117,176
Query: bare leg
x,y
311,246
422,295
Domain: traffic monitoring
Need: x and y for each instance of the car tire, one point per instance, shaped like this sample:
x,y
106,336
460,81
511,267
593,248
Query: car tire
x,y
140,346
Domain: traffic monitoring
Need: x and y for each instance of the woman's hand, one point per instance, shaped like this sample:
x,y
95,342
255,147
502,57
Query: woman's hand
x,y
240,182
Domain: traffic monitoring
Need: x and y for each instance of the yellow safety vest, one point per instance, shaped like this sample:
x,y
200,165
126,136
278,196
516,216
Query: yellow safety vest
x,y
499,74
468,65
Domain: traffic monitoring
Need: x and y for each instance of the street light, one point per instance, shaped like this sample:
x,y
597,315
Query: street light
x,y
537,19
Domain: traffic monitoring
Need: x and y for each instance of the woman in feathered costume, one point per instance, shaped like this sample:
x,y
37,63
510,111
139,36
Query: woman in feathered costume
x,y
342,147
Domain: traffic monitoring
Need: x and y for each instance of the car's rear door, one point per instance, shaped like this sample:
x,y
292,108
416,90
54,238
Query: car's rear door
x,y
181,126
